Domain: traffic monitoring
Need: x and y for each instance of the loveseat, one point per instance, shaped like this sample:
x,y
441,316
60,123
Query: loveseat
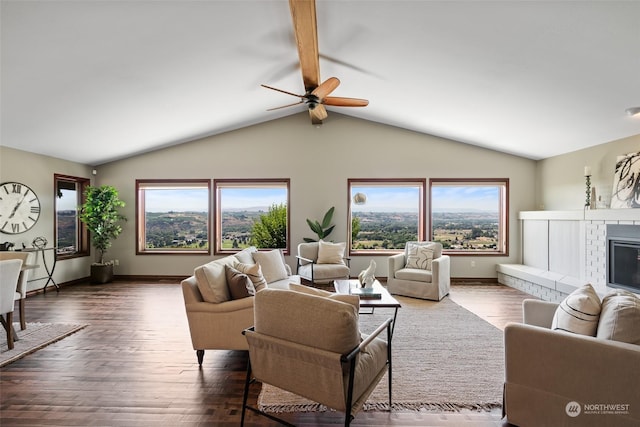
x,y
216,320
559,378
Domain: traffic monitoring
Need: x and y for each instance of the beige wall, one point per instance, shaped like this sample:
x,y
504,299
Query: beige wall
x,y
318,161
37,172
561,183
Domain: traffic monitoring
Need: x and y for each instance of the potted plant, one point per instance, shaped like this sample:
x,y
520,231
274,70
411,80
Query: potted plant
x,y
321,229
100,214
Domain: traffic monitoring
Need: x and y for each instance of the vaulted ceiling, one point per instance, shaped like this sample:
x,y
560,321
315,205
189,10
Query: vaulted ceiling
x,y
95,81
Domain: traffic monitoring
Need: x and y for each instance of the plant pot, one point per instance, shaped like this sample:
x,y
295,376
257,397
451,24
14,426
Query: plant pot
x,y
101,273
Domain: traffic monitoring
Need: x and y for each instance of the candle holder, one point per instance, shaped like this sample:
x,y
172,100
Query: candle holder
x,y
587,203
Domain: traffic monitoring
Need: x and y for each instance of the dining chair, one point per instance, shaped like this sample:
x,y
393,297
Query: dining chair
x,y
9,274
21,290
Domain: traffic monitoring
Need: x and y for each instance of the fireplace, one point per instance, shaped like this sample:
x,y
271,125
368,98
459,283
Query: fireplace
x,y
623,257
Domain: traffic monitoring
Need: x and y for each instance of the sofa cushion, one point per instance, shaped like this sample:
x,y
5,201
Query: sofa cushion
x,y
414,274
420,257
578,312
620,317
307,319
212,282
272,265
255,274
240,286
331,253
245,256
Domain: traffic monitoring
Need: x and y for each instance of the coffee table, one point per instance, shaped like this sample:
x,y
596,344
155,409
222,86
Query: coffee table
x,y
385,301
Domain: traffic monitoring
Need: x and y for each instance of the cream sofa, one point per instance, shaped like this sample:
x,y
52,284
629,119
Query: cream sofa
x,y
215,321
555,378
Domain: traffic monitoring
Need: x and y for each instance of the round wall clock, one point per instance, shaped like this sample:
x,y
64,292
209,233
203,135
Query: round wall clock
x,y
19,208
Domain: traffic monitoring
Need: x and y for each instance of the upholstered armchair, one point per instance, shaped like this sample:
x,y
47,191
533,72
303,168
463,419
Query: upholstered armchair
x,y
9,273
421,271
322,262
310,345
21,290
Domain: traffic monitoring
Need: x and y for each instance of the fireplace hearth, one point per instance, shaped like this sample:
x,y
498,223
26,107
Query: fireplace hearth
x,y
623,256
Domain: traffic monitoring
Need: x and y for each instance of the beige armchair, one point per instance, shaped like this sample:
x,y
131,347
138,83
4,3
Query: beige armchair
x,y
421,271
310,345
551,375
322,262
21,290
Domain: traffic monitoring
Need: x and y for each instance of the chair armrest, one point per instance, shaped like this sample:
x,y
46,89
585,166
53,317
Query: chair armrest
x,y
221,308
396,262
538,313
385,325
307,260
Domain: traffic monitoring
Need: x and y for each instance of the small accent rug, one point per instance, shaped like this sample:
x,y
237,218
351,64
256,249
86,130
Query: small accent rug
x,y
35,337
445,359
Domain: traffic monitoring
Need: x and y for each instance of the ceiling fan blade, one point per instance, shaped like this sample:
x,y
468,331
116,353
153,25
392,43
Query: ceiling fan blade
x,y
285,106
305,28
345,102
318,114
326,88
283,91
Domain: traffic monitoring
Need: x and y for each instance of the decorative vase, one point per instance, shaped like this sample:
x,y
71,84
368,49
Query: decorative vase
x,y
367,277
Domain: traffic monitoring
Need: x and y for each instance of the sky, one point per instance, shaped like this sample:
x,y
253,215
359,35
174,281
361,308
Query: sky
x,y
379,199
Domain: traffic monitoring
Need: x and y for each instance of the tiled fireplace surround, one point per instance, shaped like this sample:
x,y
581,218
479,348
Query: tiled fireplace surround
x,y
562,250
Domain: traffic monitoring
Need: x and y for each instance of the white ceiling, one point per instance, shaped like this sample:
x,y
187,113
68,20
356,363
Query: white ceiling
x,y
95,81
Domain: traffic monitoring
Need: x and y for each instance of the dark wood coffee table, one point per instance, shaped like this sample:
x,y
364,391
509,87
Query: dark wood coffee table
x,y
385,301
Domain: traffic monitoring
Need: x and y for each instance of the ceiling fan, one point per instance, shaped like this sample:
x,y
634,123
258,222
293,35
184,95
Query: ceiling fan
x,y
316,94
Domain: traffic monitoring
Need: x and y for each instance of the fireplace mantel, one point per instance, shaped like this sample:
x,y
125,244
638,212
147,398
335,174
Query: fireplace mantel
x,y
561,250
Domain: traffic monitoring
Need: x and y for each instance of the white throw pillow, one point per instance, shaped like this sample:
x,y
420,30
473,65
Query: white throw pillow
x,y
620,317
331,253
255,274
212,281
272,264
420,257
578,312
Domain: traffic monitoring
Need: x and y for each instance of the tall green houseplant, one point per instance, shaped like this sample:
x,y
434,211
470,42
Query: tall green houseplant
x,y
100,214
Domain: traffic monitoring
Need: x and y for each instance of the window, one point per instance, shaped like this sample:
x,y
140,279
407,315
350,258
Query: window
x,y
71,236
172,216
252,213
469,216
384,214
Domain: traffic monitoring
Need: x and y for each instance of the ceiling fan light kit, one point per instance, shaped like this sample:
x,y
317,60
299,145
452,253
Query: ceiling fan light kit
x,y
316,96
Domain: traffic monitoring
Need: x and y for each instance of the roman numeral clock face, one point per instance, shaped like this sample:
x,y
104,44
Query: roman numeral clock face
x,y
19,208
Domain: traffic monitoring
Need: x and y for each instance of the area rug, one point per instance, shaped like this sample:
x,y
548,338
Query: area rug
x,y
445,358
34,337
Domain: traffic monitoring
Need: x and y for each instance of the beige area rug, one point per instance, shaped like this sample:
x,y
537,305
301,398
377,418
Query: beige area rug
x,y
35,337
445,358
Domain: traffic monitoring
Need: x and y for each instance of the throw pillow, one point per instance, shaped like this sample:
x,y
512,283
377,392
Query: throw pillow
x,y
255,274
240,286
578,312
420,257
211,279
246,255
331,253
272,264
620,317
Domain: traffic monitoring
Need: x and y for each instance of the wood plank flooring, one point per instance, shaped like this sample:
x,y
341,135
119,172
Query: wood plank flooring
x,y
134,365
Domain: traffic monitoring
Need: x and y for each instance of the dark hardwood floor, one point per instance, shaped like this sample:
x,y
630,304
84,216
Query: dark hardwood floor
x,y
133,365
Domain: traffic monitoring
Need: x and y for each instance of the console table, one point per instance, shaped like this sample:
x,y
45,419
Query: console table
x,y
48,266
